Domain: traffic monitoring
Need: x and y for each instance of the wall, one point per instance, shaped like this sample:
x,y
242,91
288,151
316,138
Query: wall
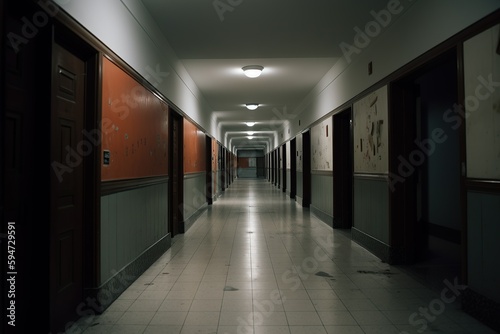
x,y
483,161
194,172
371,166
134,128
131,222
247,163
322,170
483,118
134,207
215,169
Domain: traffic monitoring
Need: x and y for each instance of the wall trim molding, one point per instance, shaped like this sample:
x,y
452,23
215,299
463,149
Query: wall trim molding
x,y
194,174
116,186
322,172
483,186
379,177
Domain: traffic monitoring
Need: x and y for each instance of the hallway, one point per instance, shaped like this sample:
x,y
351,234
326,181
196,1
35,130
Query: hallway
x,y
255,262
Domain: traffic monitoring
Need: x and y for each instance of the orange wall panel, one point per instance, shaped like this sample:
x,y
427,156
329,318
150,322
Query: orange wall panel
x,y
134,128
194,149
215,154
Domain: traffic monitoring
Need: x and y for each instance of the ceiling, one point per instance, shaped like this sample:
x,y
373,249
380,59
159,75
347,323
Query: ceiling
x,y
297,42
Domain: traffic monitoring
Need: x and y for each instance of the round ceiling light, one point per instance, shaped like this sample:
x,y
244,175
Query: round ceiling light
x,y
253,71
250,124
252,106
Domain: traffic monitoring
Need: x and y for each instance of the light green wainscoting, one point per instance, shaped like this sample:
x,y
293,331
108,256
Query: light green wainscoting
x,y
133,234
300,187
322,195
195,200
371,214
483,231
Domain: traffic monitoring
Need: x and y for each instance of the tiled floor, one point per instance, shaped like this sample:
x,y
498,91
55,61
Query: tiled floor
x,y
257,263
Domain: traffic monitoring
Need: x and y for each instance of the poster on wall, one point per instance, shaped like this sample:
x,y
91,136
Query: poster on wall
x,y
322,146
371,135
481,65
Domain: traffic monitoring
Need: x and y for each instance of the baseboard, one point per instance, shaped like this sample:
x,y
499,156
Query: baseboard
x,y
482,308
377,247
445,233
190,221
109,291
323,216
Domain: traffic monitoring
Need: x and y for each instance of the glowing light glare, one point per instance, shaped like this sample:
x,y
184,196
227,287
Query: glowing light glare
x,y
250,133
253,71
250,137
250,124
252,106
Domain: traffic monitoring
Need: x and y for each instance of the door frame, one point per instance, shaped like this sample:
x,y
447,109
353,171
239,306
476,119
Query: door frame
x,y
77,41
176,226
406,234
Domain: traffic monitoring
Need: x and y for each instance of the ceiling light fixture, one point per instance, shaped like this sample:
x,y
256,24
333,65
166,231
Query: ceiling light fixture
x,y
250,124
250,137
252,106
250,133
253,71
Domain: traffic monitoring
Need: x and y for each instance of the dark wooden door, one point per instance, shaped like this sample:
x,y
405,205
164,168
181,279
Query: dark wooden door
x,y
343,169
176,168
209,162
67,200
306,152
283,165
293,166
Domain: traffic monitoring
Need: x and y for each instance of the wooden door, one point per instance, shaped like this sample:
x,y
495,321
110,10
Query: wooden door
x,y
68,149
